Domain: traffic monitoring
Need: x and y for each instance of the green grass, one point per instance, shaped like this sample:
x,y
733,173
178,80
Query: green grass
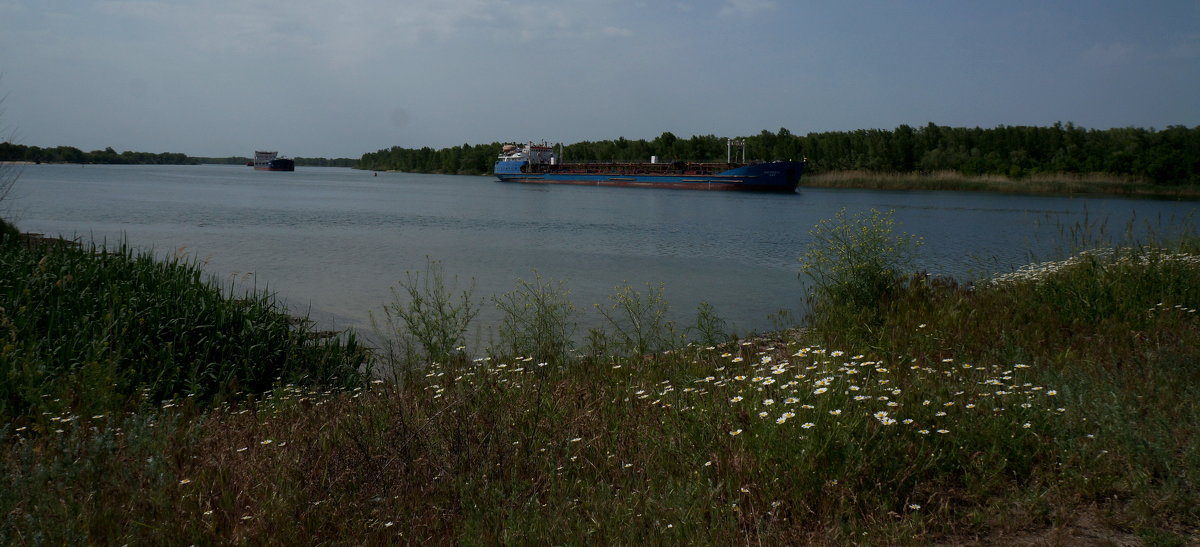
x,y
90,331
1052,406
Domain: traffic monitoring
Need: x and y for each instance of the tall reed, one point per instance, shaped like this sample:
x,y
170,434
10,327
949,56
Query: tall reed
x,y
93,329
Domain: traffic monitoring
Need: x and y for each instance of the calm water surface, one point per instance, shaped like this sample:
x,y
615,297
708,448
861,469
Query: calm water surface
x,y
333,241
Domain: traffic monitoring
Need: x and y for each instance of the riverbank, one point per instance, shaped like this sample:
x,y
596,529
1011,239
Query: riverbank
x,y
1054,406
1047,184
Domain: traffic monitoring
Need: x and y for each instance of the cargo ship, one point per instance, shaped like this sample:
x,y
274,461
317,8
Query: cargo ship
x,y
539,164
268,161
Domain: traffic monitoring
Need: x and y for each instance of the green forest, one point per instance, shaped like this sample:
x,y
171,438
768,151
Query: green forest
x,y
1169,156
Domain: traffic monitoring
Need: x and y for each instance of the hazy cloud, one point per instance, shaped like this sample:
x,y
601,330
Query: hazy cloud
x,y
747,8
1114,53
314,77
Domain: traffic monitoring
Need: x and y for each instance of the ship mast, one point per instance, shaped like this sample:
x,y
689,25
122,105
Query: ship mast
x,y
729,145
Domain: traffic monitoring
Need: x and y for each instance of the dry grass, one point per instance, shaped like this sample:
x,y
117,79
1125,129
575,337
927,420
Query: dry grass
x,y
1042,183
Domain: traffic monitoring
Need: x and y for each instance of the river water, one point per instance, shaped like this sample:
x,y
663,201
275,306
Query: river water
x,y
332,242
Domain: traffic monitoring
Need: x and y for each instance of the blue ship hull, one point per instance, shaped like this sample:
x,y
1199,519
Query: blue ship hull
x,y
780,176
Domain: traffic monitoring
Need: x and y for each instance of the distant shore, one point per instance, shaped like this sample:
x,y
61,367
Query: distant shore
x,y
1048,184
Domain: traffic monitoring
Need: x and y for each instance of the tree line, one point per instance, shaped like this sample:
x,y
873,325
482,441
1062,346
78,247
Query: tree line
x,y
69,154
1170,156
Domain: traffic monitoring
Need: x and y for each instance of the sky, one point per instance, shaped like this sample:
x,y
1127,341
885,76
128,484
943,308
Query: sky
x,y
341,78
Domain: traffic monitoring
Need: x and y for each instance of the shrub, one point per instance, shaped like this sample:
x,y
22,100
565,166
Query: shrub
x,y
639,321
855,263
426,318
537,320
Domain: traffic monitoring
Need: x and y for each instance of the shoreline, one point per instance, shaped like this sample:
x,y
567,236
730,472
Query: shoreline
x,y
1054,184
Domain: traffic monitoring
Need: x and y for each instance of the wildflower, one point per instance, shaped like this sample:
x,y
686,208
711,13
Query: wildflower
x,y
736,398
738,359
576,439
1026,425
808,425
820,390
266,442
923,431
943,431
768,402
836,412
185,481
762,414
734,433
1052,392
914,506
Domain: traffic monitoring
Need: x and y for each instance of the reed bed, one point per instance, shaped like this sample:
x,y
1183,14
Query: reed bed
x,y
90,330
1050,407
1039,183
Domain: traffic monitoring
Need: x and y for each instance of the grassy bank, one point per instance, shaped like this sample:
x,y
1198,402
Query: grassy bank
x,y
1055,405
91,330
1045,183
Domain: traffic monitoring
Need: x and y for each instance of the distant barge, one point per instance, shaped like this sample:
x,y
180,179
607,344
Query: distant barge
x,y
538,164
267,161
